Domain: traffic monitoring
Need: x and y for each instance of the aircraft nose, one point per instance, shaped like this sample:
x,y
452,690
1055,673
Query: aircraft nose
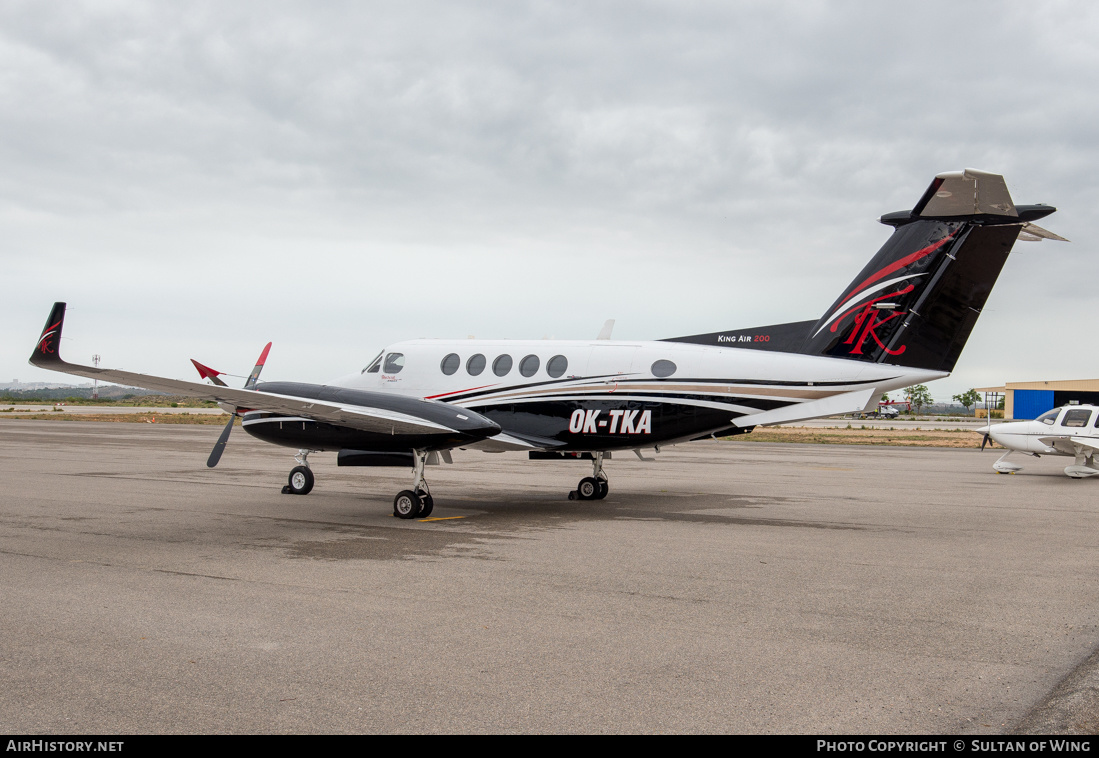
x,y
999,433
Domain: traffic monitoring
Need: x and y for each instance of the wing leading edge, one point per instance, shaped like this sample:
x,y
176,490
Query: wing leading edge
x,y
373,416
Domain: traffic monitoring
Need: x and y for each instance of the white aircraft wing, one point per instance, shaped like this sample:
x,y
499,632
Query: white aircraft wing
x,y
1070,445
847,402
369,418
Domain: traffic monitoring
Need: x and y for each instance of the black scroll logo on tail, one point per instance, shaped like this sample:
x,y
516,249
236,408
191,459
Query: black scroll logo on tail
x,y
917,300
47,352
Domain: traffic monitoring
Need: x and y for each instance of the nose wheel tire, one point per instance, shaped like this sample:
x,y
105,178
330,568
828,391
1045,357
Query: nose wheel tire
x,y
407,505
427,504
300,481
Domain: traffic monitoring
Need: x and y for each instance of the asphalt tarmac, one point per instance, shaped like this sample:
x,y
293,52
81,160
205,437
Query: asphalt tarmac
x,y
727,587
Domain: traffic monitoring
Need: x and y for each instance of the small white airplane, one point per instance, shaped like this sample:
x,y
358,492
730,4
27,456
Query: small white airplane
x,y
902,321
1072,430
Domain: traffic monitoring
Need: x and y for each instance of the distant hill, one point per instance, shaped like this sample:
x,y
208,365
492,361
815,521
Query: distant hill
x,y
61,393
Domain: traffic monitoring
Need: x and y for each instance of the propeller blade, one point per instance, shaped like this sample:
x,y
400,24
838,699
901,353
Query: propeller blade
x,y
254,376
219,446
984,440
208,373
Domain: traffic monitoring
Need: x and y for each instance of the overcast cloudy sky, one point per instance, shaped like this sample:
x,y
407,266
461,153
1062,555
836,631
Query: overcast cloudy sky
x,y
196,179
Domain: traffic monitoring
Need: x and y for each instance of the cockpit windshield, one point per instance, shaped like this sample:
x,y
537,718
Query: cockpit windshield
x,y
1050,417
374,365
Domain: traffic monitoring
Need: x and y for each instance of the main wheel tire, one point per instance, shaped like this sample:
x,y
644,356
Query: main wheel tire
x,y
300,481
604,488
407,504
427,503
588,489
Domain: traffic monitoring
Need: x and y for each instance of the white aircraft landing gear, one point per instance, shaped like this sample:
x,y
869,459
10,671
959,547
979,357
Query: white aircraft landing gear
x,y
1003,467
301,477
1083,467
594,487
416,502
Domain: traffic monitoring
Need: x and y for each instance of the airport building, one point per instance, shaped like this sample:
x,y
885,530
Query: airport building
x,y
1029,400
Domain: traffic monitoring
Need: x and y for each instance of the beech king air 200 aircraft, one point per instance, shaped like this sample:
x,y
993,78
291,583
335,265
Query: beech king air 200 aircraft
x,y
902,321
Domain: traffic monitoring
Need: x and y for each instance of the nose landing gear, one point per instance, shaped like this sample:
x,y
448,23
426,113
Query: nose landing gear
x,y
301,477
416,502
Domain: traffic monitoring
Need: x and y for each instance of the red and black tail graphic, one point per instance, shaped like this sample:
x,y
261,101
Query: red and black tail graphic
x,y
917,301
48,350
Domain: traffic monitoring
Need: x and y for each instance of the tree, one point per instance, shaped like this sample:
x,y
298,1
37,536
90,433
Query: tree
x,y
967,398
919,396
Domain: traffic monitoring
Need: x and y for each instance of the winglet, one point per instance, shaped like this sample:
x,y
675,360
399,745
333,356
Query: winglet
x,y
47,353
605,332
208,373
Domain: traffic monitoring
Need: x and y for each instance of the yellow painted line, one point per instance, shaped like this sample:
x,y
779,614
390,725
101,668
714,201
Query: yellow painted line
x,y
441,518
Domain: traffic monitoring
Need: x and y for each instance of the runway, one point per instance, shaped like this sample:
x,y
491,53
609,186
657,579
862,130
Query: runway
x,y
727,587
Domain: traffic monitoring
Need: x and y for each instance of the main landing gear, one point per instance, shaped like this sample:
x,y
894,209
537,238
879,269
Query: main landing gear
x,y
416,502
594,487
301,477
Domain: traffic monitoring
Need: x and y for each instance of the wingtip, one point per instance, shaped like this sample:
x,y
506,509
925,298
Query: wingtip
x,y
47,351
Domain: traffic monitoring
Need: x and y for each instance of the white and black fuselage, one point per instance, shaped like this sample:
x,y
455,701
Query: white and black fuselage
x,y
596,395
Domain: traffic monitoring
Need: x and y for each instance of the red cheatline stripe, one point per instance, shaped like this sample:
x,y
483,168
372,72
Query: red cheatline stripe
x,y
457,392
896,266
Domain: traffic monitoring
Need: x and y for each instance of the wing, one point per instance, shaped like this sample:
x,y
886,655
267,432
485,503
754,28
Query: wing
x,y
1071,445
437,417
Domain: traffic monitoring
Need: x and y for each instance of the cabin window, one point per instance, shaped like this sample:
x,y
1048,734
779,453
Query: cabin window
x,y
475,365
1049,417
502,365
557,366
529,365
663,368
374,365
394,362
450,364
1076,417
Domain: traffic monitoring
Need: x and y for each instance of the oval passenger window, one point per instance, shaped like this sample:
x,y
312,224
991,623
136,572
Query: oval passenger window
x,y
529,365
476,364
450,364
663,368
502,365
557,366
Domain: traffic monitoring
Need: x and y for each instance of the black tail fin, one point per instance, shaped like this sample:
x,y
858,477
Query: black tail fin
x,y
917,301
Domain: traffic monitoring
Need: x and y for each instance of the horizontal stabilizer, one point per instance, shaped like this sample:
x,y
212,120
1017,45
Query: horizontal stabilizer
x,y
1035,233
966,193
848,402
